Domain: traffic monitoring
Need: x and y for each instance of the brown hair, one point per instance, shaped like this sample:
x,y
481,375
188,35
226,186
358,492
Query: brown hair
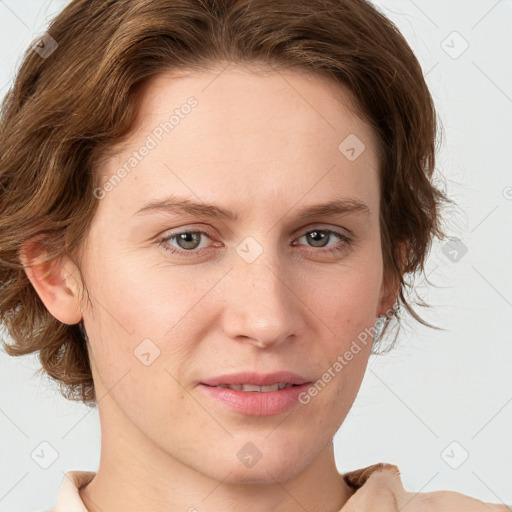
x,y
68,108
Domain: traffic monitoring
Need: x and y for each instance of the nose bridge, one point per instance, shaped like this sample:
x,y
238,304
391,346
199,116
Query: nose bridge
x,y
260,303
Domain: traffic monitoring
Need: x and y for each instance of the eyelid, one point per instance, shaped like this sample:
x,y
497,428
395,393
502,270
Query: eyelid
x,y
300,232
322,227
346,240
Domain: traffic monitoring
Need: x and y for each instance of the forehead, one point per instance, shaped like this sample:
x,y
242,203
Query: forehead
x,y
253,130
253,90
233,95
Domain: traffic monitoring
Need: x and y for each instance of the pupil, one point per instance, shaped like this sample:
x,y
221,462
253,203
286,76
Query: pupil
x,y
323,237
183,237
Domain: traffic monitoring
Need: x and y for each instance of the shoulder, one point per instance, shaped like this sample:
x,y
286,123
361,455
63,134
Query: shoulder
x,y
450,501
379,487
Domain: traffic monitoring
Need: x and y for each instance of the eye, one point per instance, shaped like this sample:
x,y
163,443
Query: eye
x,y
320,238
189,242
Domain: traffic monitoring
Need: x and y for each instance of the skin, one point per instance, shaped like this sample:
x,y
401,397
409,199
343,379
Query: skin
x,y
165,445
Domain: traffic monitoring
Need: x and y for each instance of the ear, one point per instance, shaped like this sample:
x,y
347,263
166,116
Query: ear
x,y
391,286
53,281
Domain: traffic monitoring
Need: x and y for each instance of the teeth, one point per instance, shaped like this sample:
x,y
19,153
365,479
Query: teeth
x,y
251,387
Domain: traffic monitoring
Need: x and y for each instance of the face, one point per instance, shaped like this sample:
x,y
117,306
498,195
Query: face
x,y
181,296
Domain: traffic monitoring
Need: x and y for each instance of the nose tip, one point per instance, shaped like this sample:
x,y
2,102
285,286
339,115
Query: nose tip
x,y
261,308
263,338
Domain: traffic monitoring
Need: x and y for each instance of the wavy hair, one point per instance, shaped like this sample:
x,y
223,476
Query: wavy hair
x,y
76,95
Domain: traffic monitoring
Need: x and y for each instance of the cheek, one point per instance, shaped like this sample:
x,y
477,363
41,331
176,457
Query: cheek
x,y
346,295
133,298
140,373
344,305
142,329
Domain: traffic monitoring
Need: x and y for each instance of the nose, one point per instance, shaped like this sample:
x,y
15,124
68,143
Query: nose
x,y
262,304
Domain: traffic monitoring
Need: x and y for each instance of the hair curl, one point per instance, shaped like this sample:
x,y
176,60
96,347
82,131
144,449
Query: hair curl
x,y
64,112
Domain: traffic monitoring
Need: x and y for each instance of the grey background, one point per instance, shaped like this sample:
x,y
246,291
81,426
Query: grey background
x,y
440,396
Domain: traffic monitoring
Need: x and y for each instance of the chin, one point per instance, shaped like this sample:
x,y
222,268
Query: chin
x,y
250,460
260,473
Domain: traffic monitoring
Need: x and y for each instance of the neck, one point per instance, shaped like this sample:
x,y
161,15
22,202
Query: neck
x,y
134,474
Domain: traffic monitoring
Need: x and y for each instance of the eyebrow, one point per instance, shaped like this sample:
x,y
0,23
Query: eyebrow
x,y
175,204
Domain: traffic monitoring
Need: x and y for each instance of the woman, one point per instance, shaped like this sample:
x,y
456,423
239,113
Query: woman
x,y
201,198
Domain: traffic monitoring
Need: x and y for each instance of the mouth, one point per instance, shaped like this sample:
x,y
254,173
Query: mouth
x,y
253,400
253,388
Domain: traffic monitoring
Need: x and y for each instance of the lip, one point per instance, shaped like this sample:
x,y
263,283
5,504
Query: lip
x,y
256,403
257,379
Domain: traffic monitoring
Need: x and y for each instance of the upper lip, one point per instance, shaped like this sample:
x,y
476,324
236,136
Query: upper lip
x,y
257,379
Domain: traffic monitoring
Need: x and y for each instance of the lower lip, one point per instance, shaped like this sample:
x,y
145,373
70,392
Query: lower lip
x,y
257,403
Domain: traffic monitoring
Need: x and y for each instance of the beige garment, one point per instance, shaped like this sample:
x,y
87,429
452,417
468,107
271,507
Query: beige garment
x,y
377,488
69,499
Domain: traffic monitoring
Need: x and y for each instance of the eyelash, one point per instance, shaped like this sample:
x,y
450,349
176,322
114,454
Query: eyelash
x,y
345,239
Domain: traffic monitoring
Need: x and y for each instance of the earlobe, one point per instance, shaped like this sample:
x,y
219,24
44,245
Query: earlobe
x,y
53,282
